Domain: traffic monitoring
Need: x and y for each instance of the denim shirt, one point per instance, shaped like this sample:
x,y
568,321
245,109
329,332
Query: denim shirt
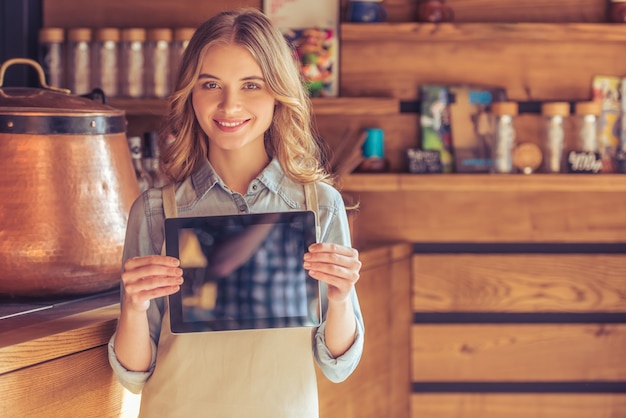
x,y
204,193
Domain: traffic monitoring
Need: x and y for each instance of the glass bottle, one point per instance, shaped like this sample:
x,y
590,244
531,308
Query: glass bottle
x,y
136,152
617,11
151,158
51,50
79,60
105,54
179,45
583,156
132,62
157,74
503,114
554,116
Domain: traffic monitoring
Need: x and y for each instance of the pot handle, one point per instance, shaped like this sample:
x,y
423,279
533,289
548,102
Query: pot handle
x,y
34,64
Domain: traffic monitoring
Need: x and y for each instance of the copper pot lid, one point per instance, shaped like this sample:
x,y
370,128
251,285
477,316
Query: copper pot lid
x,y
51,110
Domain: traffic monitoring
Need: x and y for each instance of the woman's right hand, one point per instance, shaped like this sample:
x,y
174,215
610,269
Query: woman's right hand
x,y
149,277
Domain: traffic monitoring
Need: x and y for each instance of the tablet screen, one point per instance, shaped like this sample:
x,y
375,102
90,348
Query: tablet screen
x,y
243,272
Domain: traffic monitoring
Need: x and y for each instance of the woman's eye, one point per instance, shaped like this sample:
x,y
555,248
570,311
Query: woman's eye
x,y
210,85
251,86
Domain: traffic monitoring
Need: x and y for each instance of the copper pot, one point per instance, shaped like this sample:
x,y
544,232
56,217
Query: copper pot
x,y
67,184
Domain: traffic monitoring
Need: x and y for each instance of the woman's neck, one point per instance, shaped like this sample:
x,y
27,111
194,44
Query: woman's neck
x,y
238,169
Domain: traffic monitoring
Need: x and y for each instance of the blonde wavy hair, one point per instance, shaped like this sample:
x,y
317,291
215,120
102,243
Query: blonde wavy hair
x,y
290,137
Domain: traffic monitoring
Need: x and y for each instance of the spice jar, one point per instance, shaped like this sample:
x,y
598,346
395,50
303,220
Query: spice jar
x,y
182,36
105,54
554,114
583,156
51,50
157,64
79,60
617,11
132,62
503,114
434,11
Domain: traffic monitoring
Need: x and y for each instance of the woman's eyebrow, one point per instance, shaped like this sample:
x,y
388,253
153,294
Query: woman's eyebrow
x,y
252,77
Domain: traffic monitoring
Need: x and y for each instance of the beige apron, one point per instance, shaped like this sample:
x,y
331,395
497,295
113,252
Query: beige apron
x,y
239,374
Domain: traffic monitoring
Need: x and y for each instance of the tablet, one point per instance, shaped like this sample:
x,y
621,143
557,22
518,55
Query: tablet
x,y
243,272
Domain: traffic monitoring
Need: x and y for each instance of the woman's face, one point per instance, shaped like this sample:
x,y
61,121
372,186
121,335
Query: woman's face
x,y
231,100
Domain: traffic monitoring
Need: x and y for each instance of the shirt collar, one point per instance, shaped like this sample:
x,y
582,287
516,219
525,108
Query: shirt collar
x,y
205,177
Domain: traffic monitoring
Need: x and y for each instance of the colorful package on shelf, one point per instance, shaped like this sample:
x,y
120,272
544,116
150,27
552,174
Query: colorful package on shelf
x,y
606,89
312,28
471,126
435,129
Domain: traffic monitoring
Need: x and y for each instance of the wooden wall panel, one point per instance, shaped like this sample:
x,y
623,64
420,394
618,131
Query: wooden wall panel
x,y
518,405
380,378
519,282
135,13
485,216
517,353
77,385
98,13
528,69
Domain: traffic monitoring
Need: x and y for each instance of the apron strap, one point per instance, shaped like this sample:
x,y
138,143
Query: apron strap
x,y
310,195
169,205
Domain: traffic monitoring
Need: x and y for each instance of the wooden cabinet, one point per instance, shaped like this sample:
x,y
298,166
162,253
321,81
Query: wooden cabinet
x,y
54,362
552,55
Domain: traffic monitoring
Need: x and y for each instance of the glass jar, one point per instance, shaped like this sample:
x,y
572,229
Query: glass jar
x,y
583,155
105,54
179,45
79,60
586,116
503,114
617,11
51,51
553,136
157,65
132,62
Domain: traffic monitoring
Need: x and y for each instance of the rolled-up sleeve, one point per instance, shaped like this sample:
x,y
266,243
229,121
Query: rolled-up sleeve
x,y
338,369
133,381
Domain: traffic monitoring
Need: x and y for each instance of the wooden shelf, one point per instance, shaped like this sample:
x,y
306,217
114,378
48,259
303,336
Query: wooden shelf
x,y
483,182
472,32
321,106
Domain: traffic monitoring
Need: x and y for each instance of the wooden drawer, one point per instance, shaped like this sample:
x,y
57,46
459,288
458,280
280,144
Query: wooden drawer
x,y
457,405
519,282
514,352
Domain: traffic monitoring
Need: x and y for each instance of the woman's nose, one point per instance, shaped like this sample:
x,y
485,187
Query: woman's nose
x,y
230,100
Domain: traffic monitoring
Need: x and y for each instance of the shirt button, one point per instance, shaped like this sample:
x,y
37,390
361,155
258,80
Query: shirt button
x,y
254,187
242,209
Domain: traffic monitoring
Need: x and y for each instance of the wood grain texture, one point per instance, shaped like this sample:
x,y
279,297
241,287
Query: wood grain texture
x,y
518,405
79,385
135,13
378,387
517,353
490,216
523,63
45,341
519,283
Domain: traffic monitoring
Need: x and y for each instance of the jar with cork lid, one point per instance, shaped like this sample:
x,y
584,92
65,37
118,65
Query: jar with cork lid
x,y
504,141
105,55
79,60
553,136
583,155
132,62
181,39
157,65
51,51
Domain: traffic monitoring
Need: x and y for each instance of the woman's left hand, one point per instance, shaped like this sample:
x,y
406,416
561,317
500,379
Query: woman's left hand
x,y
336,265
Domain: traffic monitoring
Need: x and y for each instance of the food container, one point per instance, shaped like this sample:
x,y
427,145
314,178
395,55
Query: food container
x,y
67,184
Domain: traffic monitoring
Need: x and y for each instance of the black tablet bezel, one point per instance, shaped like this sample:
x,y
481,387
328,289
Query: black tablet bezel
x,y
173,225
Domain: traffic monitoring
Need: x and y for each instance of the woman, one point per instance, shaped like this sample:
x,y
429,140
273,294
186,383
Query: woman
x,y
239,142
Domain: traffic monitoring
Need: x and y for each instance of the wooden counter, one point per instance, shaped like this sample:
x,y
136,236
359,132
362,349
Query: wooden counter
x,y
53,360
